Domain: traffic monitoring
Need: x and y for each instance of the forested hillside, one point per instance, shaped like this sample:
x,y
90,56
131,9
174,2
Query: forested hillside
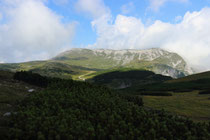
x,y
125,78
67,109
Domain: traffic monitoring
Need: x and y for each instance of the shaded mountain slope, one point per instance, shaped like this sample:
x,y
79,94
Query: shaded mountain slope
x,y
124,78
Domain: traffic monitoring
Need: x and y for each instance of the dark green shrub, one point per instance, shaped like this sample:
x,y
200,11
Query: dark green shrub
x,y
153,93
67,109
205,92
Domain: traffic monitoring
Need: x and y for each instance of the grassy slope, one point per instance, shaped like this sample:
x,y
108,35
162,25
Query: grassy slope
x,y
99,62
90,59
204,75
190,104
52,68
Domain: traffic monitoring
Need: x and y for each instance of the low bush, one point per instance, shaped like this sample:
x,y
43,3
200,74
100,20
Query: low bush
x,y
153,93
67,110
205,92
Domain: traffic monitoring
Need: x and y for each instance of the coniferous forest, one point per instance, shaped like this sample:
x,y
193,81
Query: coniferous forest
x,y
67,109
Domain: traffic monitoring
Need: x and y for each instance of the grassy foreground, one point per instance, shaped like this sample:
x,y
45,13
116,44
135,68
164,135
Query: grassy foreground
x,y
188,104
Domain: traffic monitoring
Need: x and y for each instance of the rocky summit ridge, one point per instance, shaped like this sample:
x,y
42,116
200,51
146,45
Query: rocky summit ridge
x,y
157,60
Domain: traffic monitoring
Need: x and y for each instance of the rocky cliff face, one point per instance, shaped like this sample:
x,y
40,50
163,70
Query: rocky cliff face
x,y
156,60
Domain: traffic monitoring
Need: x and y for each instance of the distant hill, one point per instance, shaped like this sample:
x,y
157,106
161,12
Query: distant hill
x,y
203,75
48,68
200,81
141,81
79,62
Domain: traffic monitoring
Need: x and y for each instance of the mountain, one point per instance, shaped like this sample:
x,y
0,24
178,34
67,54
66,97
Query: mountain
x,y
77,63
156,60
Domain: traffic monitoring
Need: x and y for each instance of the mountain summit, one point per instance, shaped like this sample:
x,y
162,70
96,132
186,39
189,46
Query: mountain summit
x,y
79,63
157,60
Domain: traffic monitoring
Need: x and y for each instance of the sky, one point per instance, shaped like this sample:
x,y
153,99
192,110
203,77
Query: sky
x,y
41,29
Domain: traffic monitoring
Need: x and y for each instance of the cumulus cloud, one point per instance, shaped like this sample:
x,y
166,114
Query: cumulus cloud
x,y
120,34
156,4
31,31
190,37
95,8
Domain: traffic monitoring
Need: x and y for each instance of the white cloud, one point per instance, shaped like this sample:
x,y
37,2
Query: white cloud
x,y
127,8
156,4
1,16
96,8
32,31
124,32
190,37
1,61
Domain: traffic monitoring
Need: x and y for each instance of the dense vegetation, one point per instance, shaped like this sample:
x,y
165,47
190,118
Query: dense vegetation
x,y
129,74
205,92
155,93
67,109
33,78
200,84
143,82
127,78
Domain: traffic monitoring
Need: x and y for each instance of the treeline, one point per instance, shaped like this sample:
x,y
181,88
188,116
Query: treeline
x,y
205,92
105,78
155,93
68,110
32,78
201,84
36,79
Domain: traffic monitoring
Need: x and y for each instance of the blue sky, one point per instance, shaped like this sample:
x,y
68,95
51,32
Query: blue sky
x,y
40,29
166,12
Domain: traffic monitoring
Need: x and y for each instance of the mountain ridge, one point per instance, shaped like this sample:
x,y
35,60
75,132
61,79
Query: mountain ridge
x,y
158,60
79,61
